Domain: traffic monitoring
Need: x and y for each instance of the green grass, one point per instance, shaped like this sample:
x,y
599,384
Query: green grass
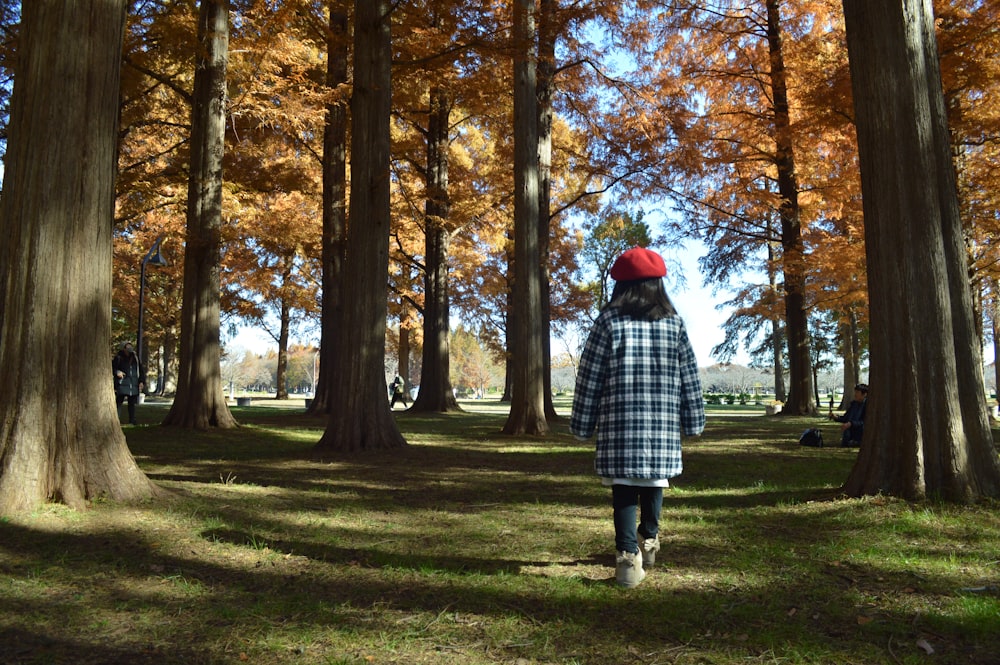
x,y
472,547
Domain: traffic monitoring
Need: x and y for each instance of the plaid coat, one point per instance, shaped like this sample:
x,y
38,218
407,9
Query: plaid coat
x,y
638,386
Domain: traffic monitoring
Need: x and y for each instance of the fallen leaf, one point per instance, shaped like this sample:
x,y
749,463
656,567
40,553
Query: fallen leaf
x,y
792,612
863,620
925,645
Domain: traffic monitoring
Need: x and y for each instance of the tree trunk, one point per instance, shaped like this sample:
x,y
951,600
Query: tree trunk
x,y
59,433
200,402
436,394
777,331
936,443
508,368
169,383
334,211
527,409
800,396
848,335
403,352
281,375
362,420
995,323
545,81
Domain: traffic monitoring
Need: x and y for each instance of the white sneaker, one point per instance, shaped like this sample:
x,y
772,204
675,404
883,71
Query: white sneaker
x,y
628,569
649,548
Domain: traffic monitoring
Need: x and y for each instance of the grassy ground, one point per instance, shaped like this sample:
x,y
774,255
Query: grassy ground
x,y
472,547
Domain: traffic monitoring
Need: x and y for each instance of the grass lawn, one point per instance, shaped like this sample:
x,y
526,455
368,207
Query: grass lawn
x,y
473,547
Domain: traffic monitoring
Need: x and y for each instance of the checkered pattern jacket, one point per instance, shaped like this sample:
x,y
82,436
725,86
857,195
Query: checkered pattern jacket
x,y
638,386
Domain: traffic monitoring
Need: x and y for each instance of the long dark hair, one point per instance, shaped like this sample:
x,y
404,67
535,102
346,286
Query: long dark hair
x,y
643,299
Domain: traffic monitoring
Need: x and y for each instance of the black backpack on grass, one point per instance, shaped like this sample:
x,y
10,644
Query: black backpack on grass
x,y
812,438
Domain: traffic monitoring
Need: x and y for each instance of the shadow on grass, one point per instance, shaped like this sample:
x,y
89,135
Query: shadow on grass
x,y
372,590
495,548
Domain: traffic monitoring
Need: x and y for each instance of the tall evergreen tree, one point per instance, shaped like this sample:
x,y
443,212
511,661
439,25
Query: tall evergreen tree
x,y
59,432
362,420
924,347
525,344
200,402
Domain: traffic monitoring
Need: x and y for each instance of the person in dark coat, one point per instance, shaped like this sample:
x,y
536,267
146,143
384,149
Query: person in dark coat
x,y
398,389
853,420
130,379
637,389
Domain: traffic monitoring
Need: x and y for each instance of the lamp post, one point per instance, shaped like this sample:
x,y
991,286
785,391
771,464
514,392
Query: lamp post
x,y
152,257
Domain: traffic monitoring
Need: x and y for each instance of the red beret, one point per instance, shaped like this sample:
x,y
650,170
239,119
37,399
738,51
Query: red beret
x,y
638,263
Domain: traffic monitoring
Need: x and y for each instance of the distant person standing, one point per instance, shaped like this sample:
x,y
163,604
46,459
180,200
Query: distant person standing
x,y
130,379
637,387
398,390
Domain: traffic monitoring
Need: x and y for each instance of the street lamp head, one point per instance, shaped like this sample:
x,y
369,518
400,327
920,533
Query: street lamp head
x,y
157,258
153,256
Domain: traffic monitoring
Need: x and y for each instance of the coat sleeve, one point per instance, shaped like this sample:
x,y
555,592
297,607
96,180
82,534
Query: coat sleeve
x,y
590,379
692,399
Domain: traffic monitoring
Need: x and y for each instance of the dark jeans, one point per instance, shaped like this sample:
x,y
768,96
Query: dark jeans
x,y
851,438
132,399
625,499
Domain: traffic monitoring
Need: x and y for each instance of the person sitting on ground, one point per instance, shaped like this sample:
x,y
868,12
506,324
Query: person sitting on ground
x,y
853,420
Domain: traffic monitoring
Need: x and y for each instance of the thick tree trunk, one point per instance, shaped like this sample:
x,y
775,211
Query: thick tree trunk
x,y
937,442
362,420
800,395
527,409
59,433
334,210
200,402
436,394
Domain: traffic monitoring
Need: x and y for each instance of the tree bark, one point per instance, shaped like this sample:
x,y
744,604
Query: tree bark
x,y
545,76
334,210
281,374
527,409
200,402
849,351
362,420
995,326
777,331
800,394
59,434
436,394
169,382
923,339
403,352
